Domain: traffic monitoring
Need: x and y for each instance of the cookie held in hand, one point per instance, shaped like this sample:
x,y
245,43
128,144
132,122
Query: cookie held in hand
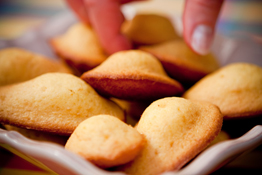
x,y
147,29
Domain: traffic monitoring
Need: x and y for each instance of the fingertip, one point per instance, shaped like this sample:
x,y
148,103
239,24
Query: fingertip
x,y
107,18
201,39
79,9
199,21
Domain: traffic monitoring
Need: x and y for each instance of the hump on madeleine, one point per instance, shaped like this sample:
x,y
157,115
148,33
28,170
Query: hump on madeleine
x,y
181,62
79,47
236,89
132,75
176,130
53,102
18,65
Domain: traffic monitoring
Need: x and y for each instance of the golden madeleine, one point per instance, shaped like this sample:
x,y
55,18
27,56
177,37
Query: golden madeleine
x,y
79,47
176,130
146,29
132,75
18,65
236,89
53,102
181,62
105,141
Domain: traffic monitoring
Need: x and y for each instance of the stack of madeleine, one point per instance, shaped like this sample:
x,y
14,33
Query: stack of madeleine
x,y
143,111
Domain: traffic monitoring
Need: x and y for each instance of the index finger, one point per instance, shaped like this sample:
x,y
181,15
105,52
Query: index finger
x,y
79,8
106,18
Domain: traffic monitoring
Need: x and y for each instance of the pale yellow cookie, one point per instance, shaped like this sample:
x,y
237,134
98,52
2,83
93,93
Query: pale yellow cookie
x,y
53,102
132,75
176,130
236,89
146,29
18,65
181,62
79,47
105,141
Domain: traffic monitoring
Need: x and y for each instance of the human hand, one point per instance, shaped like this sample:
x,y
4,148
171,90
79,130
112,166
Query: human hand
x,y
199,21
106,18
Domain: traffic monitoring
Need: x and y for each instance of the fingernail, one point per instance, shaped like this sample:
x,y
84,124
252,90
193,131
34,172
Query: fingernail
x,y
202,39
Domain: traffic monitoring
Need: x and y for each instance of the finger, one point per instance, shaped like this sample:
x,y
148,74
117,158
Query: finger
x,y
79,8
106,18
199,21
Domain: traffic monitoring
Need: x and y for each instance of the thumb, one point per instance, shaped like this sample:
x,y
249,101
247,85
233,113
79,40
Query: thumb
x,y
199,21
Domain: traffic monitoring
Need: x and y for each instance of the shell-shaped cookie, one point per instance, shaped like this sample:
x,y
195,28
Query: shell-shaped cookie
x,y
53,102
236,89
146,29
105,141
181,62
18,65
176,130
132,75
79,47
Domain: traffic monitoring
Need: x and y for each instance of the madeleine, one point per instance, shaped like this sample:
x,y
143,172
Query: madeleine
x,y
176,130
105,141
147,29
132,75
18,65
79,47
53,102
181,63
236,89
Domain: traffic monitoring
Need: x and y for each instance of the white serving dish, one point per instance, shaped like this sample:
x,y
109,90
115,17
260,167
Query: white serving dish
x,y
55,159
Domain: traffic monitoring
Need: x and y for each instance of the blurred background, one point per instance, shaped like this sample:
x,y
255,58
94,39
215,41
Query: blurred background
x,y
238,18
